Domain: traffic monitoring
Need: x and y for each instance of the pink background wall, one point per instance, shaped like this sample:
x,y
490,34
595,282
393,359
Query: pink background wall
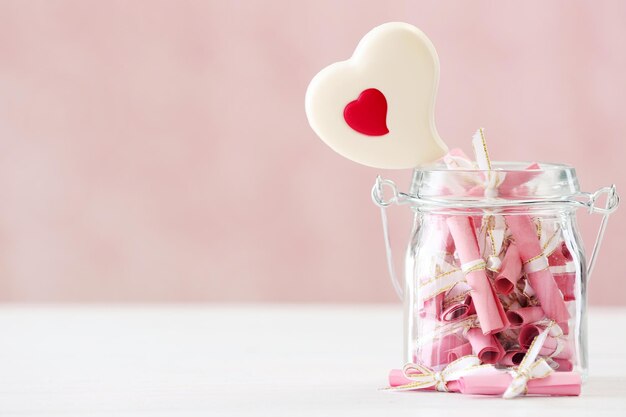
x,y
159,151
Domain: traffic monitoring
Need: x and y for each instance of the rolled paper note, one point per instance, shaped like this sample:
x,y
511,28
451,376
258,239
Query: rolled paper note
x,y
555,346
464,183
377,108
491,178
496,383
435,262
560,256
488,307
509,338
566,283
457,303
491,240
423,377
486,347
510,272
459,351
536,267
525,315
447,277
436,353
432,307
512,357
397,378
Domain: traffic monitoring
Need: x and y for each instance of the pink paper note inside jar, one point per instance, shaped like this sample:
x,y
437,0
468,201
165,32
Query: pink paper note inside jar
x,y
440,351
510,272
559,347
541,280
525,315
512,357
560,256
566,283
457,303
486,303
486,347
432,307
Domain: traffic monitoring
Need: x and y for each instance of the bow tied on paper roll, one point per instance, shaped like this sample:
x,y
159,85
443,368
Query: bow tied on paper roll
x,y
530,367
422,377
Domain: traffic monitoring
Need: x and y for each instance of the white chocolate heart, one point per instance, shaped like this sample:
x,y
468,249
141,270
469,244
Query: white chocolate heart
x,y
400,61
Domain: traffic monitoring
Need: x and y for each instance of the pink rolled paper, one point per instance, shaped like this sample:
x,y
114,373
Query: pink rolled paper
x,y
566,283
488,307
525,315
560,256
541,279
556,384
459,351
486,347
397,378
433,307
438,352
512,357
528,333
440,243
461,307
510,272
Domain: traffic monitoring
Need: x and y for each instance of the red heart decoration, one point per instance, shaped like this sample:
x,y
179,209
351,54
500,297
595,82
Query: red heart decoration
x,y
368,113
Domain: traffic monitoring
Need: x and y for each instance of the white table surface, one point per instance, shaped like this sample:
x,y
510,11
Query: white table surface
x,y
250,361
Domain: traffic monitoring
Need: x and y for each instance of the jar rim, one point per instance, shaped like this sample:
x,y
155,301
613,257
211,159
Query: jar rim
x,y
506,181
503,166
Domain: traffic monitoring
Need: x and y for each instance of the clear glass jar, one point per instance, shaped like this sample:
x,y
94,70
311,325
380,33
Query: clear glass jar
x,y
493,259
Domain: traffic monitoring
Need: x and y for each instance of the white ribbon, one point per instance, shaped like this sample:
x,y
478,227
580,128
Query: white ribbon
x,y
447,276
563,269
491,239
475,265
549,238
424,377
494,179
536,264
555,331
530,367
549,241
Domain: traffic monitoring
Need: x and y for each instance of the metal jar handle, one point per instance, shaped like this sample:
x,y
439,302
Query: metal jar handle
x,y
379,200
612,201
589,201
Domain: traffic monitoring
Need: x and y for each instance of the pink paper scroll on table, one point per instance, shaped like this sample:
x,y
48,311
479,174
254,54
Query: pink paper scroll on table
x,y
397,378
488,307
560,383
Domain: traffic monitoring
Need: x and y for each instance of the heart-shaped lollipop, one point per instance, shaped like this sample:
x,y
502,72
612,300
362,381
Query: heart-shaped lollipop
x,y
377,108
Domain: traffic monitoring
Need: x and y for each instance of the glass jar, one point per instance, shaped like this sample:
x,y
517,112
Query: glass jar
x,y
494,259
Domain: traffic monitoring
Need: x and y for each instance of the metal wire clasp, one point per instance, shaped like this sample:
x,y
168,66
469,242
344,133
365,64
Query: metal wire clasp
x,y
612,200
378,192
